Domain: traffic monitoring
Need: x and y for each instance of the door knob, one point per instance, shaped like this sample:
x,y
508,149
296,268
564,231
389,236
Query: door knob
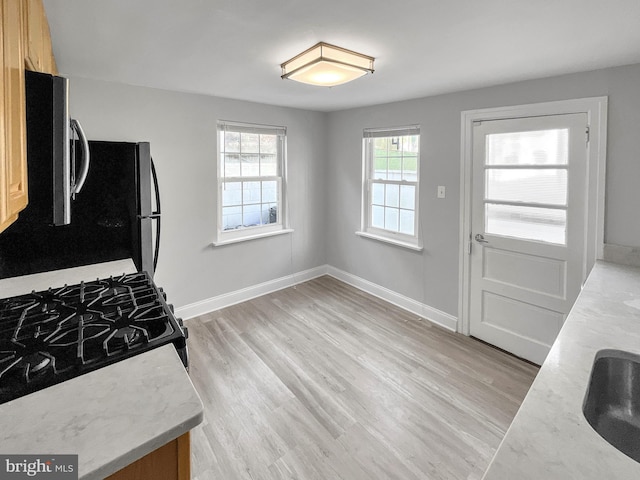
x,y
480,238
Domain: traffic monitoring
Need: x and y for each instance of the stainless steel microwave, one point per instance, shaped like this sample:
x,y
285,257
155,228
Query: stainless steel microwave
x,y
57,149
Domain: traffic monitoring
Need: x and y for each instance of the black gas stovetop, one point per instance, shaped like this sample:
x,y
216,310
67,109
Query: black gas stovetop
x,y
51,336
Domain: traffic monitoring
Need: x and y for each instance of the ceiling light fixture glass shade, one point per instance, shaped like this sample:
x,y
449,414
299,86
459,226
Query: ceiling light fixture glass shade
x,y
327,66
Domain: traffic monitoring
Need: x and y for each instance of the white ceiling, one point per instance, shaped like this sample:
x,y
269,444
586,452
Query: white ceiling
x,y
233,48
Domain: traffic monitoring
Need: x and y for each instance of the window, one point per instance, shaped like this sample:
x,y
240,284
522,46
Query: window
x,y
526,178
390,186
251,181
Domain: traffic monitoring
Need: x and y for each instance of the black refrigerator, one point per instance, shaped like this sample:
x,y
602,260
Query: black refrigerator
x,y
112,217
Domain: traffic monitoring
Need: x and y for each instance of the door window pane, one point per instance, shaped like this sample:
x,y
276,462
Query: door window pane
x,y
527,185
530,223
540,147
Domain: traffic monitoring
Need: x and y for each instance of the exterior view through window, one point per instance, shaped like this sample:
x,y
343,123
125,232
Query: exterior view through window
x,y
390,189
526,184
250,180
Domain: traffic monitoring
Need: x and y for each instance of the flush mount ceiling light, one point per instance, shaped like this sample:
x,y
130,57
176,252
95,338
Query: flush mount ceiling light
x,y
327,65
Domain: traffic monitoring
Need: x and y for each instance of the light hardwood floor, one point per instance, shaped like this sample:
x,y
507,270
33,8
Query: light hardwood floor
x,y
323,381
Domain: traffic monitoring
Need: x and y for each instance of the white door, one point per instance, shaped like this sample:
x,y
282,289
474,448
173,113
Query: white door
x,y
528,229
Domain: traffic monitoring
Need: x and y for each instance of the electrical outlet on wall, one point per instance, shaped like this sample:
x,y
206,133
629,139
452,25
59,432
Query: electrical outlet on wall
x,y
442,191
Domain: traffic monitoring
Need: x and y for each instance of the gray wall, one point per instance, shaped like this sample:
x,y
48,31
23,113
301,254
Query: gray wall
x,y
182,130
431,276
325,162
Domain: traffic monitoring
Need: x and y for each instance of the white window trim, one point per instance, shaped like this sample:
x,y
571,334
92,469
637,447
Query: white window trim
x,y
262,234
250,233
386,239
388,236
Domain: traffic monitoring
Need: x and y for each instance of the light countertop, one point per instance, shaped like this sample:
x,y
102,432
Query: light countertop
x,y
10,287
109,417
550,438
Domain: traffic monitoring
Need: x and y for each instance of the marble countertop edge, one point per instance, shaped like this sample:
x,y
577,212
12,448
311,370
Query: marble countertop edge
x,y
109,417
549,437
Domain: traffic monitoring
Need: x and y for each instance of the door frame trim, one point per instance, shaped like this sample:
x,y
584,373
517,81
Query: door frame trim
x,y
596,110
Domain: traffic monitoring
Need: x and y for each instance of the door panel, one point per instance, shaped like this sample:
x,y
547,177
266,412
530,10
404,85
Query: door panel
x,y
511,314
537,274
528,217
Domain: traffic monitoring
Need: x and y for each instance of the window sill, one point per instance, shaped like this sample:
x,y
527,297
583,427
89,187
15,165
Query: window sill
x,y
399,243
220,243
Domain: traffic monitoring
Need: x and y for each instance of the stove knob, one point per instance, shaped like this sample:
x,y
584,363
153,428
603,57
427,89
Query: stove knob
x,y
185,330
171,307
180,322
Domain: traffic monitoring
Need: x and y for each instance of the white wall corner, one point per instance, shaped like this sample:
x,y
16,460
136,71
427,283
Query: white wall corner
x,y
621,254
427,312
212,304
227,299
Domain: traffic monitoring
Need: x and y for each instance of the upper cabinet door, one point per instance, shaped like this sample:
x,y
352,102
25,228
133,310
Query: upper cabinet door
x,y
13,159
39,53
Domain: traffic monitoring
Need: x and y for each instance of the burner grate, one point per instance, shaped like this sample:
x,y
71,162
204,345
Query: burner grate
x,y
51,336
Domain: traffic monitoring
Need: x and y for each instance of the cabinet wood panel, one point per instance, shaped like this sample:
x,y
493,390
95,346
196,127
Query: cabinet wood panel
x,y
48,59
169,462
13,163
37,41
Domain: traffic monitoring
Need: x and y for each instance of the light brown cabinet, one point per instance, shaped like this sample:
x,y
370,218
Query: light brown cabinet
x,y
38,50
169,462
25,43
13,150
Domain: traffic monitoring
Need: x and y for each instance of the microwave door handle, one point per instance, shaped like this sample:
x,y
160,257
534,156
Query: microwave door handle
x,y
86,160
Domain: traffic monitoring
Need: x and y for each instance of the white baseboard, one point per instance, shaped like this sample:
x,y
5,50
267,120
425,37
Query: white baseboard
x,y
434,315
227,299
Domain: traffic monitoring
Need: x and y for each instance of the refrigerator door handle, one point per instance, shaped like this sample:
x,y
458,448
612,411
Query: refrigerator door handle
x,y
157,214
86,158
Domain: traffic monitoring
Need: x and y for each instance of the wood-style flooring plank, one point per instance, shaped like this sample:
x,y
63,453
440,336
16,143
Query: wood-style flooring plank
x,y
323,381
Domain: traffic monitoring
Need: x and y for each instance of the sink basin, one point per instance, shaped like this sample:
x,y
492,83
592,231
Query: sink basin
x,y
612,402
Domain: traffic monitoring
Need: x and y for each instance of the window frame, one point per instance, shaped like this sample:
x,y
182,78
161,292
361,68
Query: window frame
x,y
281,226
368,180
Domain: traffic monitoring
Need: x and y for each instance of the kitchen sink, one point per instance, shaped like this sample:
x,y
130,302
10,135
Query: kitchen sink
x,y
612,402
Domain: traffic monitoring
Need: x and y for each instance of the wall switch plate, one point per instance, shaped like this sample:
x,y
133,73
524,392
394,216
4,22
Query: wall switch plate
x,y
441,191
